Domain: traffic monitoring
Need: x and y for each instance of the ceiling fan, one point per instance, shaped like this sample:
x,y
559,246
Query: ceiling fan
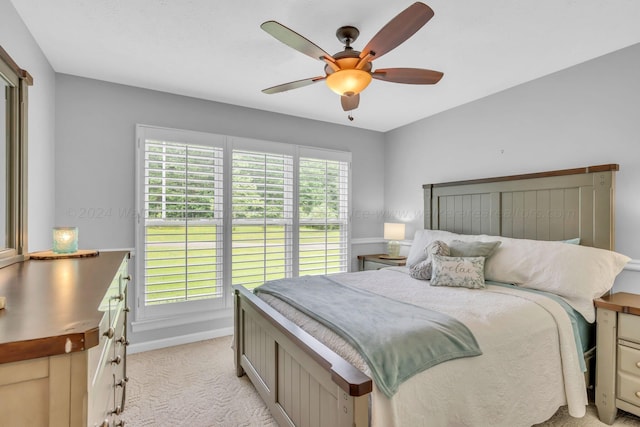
x,y
349,72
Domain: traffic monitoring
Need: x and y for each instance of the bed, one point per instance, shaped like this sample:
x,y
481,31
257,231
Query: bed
x,y
531,361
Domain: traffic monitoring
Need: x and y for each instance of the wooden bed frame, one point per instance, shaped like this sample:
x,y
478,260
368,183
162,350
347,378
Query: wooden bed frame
x,y
304,383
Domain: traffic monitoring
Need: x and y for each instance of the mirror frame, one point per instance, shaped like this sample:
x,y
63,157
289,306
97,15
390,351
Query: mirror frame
x,y
17,80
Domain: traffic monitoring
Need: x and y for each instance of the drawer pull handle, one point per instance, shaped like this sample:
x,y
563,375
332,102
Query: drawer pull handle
x,y
122,340
127,277
105,423
638,365
118,297
123,382
116,360
126,309
109,333
119,424
117,411
638,394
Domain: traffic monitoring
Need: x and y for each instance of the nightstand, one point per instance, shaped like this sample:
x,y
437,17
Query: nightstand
x,y
376,262
617,355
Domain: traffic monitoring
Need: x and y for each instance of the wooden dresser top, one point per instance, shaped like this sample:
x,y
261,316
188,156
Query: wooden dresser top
x,y
52,306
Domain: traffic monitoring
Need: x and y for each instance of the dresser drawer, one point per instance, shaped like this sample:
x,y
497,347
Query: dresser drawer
x,y
100,392
629,327
628,388
629,360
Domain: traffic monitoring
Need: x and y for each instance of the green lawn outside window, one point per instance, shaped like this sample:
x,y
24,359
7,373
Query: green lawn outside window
x,y
166,255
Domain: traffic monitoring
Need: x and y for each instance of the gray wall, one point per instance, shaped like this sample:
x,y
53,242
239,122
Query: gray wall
x,y
95,162
96,153
585,115
18,42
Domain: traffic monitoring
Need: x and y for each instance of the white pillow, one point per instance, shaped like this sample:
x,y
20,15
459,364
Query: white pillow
x,y
576,273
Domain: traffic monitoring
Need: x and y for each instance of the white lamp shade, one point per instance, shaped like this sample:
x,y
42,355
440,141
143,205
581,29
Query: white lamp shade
x,y
393,231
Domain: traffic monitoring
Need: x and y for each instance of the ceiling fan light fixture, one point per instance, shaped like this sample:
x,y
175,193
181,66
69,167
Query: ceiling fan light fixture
x,y
348,82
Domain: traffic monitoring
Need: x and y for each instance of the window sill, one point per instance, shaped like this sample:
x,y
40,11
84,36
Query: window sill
x,y
150,324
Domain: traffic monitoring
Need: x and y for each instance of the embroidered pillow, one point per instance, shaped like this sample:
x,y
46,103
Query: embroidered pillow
x,y
466,272
471,249
421,240
422,270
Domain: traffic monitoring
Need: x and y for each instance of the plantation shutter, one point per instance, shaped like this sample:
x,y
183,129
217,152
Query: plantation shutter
x,y
262,216
323,205
182,217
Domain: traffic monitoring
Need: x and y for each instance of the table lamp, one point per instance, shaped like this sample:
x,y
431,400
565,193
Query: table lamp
x,y
393,232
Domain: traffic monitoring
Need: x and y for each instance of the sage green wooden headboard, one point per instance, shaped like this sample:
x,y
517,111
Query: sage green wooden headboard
x,y
555,205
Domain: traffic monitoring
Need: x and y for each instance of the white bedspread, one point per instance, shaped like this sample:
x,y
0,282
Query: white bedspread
x,y
529,366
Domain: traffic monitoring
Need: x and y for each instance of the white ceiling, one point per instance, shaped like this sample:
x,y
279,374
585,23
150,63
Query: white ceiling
x,y
215,49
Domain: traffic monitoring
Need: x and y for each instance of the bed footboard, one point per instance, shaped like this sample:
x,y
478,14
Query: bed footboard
x,y
303,382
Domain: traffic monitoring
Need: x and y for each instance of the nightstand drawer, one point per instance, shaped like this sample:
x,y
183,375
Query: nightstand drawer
x,y
372,265
629,327
628,389
629,360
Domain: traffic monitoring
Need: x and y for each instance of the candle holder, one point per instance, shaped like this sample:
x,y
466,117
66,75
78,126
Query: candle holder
x,y
65,240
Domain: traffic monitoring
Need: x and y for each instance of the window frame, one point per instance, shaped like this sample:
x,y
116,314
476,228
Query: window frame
x,y
17,82
198,308
274,150
343,219
172,309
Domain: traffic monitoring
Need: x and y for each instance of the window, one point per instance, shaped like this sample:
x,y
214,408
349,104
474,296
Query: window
x,y
216,211
262,212
183,222
323,212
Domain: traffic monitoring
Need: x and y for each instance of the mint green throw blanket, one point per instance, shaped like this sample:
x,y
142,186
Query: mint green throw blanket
x,y
396,339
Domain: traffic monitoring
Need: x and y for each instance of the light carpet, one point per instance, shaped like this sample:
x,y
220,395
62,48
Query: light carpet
x,y
195,385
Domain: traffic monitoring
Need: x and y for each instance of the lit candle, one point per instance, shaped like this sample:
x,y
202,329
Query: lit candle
x,y
65,240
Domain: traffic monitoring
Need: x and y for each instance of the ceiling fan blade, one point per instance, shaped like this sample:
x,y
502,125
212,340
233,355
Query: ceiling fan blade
x,y
292,85
350,102
294,40
399,29
414,76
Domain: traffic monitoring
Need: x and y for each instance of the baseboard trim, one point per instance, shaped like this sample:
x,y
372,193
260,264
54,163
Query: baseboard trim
x,y
179,340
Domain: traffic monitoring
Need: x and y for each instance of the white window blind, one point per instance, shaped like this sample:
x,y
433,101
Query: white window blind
x,y
262,217
323,204
182,216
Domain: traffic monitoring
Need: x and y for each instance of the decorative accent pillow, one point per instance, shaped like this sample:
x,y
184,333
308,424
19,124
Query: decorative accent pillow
x,y
422,270
421,240
466,272
471,249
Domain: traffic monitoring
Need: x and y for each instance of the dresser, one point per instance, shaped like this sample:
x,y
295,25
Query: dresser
x,y
63,341
618,355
